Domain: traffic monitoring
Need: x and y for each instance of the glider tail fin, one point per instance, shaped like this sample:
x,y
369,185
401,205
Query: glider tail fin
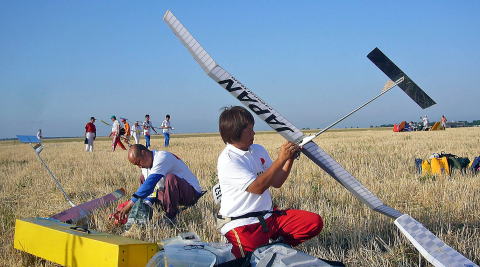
x,y
395,73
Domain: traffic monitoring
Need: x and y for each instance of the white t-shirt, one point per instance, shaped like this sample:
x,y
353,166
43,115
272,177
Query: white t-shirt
x,y
146,127
134,130
165,123
425,121
115,126
165,162
237,169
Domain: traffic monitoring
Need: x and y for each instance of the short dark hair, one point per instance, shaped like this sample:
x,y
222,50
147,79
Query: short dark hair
x,y
232,121
168,116
147,115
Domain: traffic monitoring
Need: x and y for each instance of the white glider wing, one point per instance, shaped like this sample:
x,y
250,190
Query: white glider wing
x,y
293,134
273,118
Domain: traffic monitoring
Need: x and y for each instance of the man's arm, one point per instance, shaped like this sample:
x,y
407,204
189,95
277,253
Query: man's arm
x,y
153,128
147,187
278,172
143,191
283,173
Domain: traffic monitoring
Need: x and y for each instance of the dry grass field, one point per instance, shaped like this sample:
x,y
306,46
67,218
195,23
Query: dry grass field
x,y
382,160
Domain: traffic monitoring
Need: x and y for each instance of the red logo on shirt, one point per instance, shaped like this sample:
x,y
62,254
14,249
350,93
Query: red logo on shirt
x,y
262,160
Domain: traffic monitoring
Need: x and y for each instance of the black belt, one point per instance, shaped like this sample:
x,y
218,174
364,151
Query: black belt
x,y
258,214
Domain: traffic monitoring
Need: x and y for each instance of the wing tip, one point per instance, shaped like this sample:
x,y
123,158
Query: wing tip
x,y
167,14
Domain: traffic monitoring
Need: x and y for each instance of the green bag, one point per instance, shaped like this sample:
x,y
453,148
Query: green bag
x,y
458,163
140,213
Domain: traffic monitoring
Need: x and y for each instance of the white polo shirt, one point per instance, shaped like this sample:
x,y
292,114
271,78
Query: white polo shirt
x,y
166,123
116,126
146,127
237,169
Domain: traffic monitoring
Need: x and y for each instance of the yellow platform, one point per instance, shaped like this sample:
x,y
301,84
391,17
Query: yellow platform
x,y
57,242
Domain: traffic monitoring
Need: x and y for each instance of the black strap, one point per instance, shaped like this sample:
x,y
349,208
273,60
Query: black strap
x,y
259,215
255,214
263,223
83,229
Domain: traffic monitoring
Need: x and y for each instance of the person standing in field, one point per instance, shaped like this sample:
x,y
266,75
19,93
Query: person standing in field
x,y
443,120
425,122
135,132
90,134
166,177
126,126
247,216
147,126
166,130
115,134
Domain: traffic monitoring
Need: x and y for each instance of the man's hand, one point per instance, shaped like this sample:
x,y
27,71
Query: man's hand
x,y
123,213
288,151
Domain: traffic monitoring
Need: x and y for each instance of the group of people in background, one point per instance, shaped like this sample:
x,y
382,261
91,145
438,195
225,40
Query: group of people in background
x,y
121,130
424,123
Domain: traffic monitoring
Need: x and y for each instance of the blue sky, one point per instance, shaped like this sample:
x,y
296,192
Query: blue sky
x,y
64,61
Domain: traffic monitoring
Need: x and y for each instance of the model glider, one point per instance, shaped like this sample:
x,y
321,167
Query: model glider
x,y
79,212
430,246
106,123
76,213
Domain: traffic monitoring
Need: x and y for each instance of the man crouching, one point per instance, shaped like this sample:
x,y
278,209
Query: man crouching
x,y
167,182
246,173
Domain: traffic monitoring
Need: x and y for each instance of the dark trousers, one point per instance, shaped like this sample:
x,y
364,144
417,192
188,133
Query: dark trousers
x,y
176,192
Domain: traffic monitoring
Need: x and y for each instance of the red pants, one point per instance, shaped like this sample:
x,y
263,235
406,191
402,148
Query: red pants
x,y
115,141
295,227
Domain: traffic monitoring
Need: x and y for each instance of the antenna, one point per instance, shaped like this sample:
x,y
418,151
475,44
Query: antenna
x,y
38,147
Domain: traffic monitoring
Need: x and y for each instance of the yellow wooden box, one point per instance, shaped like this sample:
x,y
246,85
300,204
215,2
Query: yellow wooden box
x,y
57,242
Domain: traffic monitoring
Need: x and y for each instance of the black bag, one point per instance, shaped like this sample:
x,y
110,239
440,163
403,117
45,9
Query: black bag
x,y
122,131
85,141
418,165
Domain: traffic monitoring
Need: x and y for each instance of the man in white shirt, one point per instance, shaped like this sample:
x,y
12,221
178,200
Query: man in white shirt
x,y
425,122
147,126
166,177
166,130
135,132
115,134
247,216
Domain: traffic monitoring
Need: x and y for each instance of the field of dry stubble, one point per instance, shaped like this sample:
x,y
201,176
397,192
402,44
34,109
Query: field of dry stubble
x,y
382,160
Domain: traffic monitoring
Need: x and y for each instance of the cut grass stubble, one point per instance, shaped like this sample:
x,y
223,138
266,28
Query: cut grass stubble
x,y
382,160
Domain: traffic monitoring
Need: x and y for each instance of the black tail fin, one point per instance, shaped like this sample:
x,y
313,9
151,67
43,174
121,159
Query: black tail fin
x,y
395,73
